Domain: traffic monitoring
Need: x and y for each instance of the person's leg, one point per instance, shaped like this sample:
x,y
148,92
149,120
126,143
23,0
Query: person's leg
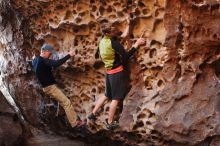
x,y
99,103
112,110
58,95
107,96
117,92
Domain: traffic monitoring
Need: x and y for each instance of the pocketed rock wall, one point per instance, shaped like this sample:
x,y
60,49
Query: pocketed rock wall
x,y
174,95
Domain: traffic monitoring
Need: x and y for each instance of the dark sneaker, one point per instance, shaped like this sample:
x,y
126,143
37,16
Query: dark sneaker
x,y
81,123
92,117
113,125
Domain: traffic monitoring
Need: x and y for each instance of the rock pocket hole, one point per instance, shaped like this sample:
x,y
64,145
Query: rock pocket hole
x,y
59,7
145,11
153,53
78,20
93,90
215,36
98,65
148,123
159,83
141,4
94,8
138,125
101,10
216,66
107,109
120,14
109,9
141,116
199,1
137,12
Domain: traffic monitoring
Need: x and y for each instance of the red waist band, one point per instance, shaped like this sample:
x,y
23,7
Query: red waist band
x,y
116,70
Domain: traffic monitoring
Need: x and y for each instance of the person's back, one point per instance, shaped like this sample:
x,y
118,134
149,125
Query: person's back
x,y
43,72
107,53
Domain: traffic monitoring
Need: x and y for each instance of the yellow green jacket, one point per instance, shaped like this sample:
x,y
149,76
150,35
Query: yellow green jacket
x,y
113,53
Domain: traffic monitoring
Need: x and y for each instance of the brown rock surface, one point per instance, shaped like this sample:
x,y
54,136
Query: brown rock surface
x,y
188,110
174,99
11,131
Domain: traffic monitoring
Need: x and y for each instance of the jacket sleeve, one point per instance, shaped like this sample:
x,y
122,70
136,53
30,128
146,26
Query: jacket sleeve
x,y
56,63
121,51
97,54
35,63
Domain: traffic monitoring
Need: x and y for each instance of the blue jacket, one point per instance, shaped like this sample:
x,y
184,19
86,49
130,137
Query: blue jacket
x,y
43,69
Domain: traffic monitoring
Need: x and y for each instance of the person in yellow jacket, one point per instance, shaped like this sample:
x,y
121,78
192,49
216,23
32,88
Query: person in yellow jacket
x,y
114,57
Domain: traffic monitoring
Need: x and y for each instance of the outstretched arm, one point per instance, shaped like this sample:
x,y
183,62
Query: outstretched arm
x,y
56,63
121,51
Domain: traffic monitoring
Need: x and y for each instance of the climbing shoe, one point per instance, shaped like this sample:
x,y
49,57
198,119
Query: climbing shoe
x,y
79,122
92,117
113,125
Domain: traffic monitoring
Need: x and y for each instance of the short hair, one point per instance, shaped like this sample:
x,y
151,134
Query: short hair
x,y
106,25
106,28
47,47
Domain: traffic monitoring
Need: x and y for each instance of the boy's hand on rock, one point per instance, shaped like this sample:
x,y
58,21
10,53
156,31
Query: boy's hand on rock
x,y
139,42
72,53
